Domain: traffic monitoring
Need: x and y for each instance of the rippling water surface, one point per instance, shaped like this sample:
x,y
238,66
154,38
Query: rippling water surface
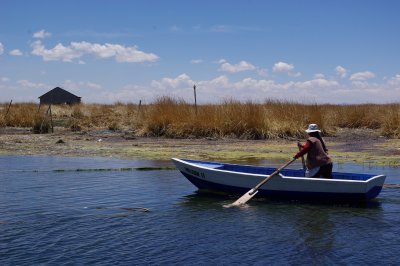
x,y
57,211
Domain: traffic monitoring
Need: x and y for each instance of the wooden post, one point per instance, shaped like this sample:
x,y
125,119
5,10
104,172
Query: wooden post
x,y
138,111
140,105
8,109
195,98
51,120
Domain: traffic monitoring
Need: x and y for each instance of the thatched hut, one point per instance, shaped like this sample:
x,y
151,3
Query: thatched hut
x,y
59,96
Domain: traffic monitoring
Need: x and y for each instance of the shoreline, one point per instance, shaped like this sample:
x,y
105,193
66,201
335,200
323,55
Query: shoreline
x,y
361,146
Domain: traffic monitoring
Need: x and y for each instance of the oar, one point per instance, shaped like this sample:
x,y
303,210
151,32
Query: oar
x,y
302,157
246,197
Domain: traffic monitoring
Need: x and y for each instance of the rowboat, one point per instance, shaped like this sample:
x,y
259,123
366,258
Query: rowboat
x,y
288,184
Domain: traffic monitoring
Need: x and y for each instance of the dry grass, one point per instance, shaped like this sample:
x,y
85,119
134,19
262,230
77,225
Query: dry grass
x,y
176,118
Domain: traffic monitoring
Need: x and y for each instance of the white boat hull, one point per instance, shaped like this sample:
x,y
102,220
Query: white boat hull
x,y
238,179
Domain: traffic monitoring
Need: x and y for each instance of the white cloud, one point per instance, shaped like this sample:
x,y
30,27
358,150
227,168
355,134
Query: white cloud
x,y
218,82
128,94
1,48
215,90
221,87
121,53
41,34
282,67
181,81
59,52
249,84
362,76
316,90
240,67
22,90
78,49
92,85
294,74
394,81
29,84
262,72
316,84
80,86
16,52
196,61
341,71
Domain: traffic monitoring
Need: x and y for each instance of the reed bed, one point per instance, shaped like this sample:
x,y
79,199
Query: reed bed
x,y
176,118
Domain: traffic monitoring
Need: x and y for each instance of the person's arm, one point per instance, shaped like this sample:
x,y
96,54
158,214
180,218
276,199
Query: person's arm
x,y
306,148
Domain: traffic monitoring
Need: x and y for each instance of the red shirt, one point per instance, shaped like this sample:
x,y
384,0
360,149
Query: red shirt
x,y
316,155
305,149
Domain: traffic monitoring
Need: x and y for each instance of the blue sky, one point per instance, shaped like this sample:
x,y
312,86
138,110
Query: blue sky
x,y
107,51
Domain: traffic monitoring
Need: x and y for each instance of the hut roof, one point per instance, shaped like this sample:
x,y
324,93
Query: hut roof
x,y
59,91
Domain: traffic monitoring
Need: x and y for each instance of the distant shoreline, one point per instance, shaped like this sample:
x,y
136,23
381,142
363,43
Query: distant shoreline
x,y
174,118
362,146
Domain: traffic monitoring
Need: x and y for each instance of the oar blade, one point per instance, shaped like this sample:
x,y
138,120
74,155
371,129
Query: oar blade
x,y
243,199
246,197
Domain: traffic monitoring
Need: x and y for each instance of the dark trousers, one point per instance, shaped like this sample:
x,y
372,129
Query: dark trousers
x,y
325,171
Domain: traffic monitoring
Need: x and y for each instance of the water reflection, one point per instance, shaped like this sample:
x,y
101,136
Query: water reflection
x,y
205,200
205,197
183,226
316,230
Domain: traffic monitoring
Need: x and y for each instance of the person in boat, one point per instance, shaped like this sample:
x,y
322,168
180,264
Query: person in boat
x,y
318,163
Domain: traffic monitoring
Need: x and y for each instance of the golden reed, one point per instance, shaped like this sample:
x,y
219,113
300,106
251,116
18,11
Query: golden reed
x,y
176,118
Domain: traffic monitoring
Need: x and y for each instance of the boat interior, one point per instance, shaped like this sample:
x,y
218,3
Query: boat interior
x,y
269,170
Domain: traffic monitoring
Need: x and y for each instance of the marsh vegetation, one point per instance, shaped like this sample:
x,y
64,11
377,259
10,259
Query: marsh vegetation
x,y
176,118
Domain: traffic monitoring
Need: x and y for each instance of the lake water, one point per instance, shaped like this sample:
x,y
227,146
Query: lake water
x,y
79,211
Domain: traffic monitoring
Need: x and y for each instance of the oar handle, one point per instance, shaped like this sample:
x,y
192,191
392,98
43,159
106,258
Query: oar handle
x,y
271,175
302,157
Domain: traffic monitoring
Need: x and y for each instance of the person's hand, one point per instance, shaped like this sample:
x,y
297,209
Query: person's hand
x,y
299,145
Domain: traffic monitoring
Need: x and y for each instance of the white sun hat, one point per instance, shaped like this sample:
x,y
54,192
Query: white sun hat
x,y
312,128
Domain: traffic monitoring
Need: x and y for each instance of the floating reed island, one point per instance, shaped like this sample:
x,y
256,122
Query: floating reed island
x,y
176,118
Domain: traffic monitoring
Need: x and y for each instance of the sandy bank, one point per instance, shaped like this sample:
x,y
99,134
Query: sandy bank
x,y
360,146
